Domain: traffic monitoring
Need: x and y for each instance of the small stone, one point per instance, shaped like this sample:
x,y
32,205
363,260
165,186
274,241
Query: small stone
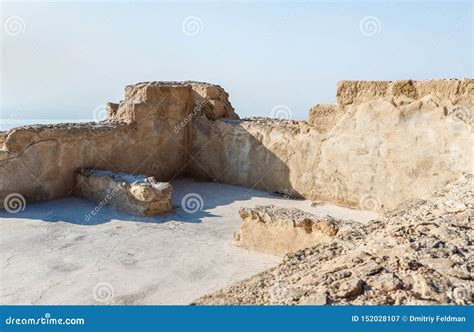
x,y
386,282
369,268
436,212
348,287
438,263
315,298
142,193
134,194
453,206
296,293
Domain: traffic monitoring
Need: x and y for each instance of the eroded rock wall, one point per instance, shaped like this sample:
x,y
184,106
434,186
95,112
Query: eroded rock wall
x,y
382,143
145,134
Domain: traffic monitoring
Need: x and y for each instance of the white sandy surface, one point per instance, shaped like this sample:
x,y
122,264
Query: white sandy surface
x,y
51,255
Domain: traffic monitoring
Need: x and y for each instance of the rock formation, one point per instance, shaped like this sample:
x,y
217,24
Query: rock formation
x,y
134,194
278,231
380,144
419,253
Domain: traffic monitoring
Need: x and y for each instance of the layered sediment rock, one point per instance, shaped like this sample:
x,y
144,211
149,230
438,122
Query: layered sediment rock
x,y
420,253
134,194
278,231
146,133
380,144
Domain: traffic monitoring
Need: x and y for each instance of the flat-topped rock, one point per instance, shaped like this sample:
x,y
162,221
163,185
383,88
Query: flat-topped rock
x,y
134,194
277,231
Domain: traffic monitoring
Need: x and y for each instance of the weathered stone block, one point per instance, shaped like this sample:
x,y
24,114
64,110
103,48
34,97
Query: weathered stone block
x,y
134,194
277,231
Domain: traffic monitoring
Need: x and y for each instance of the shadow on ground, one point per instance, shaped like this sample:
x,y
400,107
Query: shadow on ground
x,y
80,211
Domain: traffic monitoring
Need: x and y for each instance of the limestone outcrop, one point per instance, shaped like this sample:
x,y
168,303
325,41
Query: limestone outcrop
x,y
380,144
278,231
134,194
139,137
419,253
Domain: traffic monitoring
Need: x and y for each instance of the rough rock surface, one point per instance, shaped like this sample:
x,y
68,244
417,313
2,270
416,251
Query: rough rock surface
x,y
420,253
134,194
278,231
146,133
380,144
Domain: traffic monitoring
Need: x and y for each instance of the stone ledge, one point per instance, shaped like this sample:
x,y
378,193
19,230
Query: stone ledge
x,y
134,194
278,231
349,92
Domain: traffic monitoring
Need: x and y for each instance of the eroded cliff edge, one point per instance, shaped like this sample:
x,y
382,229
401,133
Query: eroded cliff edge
x,y
419,253
380,143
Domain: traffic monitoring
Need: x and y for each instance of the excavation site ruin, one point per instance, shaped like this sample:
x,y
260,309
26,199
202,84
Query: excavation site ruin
x,y
174,199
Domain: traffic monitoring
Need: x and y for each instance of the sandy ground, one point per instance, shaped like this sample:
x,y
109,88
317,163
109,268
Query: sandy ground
x,y
50,254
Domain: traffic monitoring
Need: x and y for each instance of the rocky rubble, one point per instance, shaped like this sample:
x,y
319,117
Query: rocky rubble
x,y
419,253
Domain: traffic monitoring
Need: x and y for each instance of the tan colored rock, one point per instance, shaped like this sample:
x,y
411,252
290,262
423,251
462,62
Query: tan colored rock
x,y
134,194
278,231
325,117
381,144
387,261
347,288
315,298
146,133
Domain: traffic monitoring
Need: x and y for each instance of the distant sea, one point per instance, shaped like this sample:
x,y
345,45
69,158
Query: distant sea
x,y
9,123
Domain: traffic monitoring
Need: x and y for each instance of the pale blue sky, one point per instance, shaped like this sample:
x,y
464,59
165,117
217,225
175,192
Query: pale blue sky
x,y
70,58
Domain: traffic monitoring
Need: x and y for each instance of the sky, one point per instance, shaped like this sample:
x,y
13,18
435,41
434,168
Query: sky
x,y
65,60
